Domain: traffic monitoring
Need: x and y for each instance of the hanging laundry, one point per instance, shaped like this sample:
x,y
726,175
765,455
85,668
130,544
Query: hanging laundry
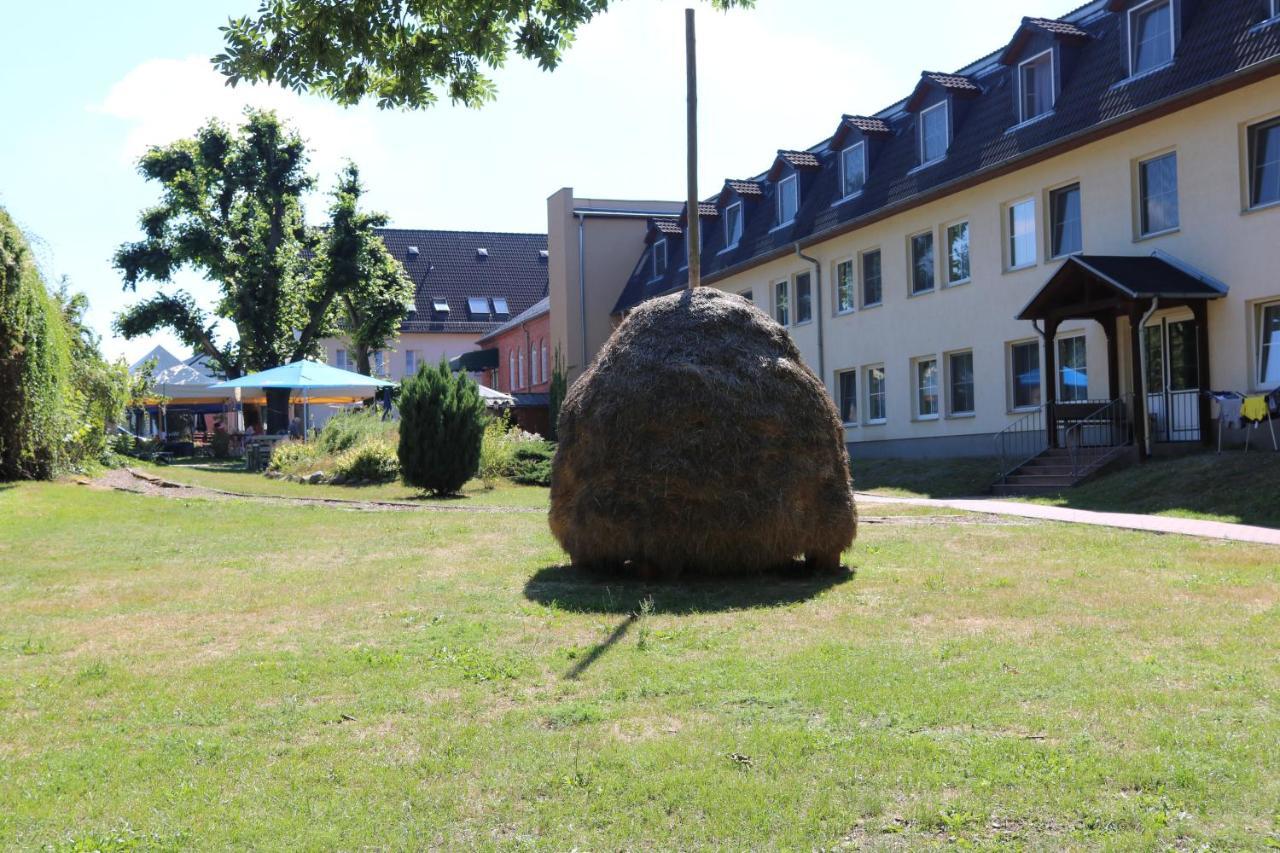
x,y
1229,411
1255,408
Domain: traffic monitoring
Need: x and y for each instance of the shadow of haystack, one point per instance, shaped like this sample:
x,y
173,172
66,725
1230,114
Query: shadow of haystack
x,y
699,444
580,591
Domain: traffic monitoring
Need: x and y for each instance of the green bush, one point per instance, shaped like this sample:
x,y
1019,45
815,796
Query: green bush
x,y
441,429
496,450
220,445
347,429
294,457
374,461
531,463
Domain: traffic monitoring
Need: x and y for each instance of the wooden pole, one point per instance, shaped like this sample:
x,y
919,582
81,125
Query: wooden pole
x,y
692,232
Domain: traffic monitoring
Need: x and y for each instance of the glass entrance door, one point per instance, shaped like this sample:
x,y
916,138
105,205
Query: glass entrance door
x,y
1173,379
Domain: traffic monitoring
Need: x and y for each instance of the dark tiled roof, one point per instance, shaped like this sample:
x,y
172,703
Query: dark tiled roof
x,y
1220,39
1057,28
449,266
868,124
745,188
667,226
708,208
801,159
537,309
955,82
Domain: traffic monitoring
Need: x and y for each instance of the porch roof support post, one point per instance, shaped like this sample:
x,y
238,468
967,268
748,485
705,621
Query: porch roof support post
x,y
1050,380
1139,401
1109,326
1200,309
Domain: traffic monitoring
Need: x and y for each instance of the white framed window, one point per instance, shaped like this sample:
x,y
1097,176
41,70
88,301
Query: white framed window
x,y
732,224
340,359
1268,335
520,361
781,303
511,373
477,306
1022,233
1275,8
877,395
934,133
546,367
1035,86
1066,234
788,199
804,297
533,365
1158,194
925,377
440,305
410,362
1150,36
1024,375
846,288
872,290
853,169
920,248
1073,370
1264,161
659,259
847,380
958,253
960,400
379,363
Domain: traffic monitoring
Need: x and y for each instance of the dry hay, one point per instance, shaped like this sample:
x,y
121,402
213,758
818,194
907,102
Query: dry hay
x,y
698,442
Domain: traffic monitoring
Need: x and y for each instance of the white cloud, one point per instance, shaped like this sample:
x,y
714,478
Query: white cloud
x,y
163,100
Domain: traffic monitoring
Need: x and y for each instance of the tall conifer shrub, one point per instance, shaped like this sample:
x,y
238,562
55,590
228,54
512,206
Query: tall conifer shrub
x,y
441,427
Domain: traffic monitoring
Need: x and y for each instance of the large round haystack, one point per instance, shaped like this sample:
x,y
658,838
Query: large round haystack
x,y
699,443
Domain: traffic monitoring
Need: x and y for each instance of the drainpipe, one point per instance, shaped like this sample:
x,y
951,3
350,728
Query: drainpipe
x,y
582,283
1142,371
821,308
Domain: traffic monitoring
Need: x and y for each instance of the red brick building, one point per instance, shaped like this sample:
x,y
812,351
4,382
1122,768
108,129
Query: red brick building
x,y
525,359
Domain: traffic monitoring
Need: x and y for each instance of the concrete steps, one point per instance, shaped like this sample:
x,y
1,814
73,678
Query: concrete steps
x,y
1052,471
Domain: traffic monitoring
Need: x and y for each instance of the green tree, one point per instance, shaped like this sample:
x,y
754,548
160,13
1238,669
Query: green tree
x,y
401,51
231,209
441,428
355,265
559,387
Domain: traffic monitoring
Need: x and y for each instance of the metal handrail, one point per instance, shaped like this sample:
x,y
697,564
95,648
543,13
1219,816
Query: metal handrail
x,y
1111,417
1021,441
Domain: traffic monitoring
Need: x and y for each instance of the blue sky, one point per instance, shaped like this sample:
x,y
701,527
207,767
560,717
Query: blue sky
x,y
88,90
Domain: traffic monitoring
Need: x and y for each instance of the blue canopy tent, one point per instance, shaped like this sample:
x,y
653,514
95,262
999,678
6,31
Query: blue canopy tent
x,y
308,382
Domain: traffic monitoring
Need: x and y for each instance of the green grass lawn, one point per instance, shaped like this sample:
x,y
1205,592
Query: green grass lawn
x,y
212,675
926,478
230,476
1233,486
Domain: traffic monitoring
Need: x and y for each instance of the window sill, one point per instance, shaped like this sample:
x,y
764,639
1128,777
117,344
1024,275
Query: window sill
x,y
1065,255
727,249
1022,410
1274,20
850,197
920,293
880,422
1154,234
801,323
924,166
850,424
1021,267
782,226
1120,84
1257,208
1030,121
844,313
961,283
871,305
924,418
956,416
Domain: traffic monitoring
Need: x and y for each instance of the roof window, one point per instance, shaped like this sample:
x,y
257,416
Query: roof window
x,y
482,252
500,308
477,306
440,305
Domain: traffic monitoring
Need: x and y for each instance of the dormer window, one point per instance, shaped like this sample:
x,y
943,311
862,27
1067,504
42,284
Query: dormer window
x,y
659,259
788,199
1150,36
934,133
853,168
732,224
1035,86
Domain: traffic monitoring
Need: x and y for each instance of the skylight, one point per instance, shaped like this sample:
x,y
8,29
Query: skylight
x,y
439,305
500,306
477,306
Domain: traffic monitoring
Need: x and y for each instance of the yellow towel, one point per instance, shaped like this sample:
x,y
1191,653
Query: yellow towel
x,y
1254,408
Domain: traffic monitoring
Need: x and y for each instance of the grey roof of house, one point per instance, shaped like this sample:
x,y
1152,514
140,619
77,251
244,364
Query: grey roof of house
x,y
448,265
1222,38
1132,277
537,309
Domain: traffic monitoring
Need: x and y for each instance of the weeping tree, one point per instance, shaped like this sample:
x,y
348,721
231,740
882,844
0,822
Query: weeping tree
x,y
403,53
231,210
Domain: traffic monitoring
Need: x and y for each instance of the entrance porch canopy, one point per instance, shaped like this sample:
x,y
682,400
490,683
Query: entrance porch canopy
x,y
1107,287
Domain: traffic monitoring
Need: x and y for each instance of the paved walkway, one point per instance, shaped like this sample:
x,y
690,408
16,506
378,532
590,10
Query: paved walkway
x,y
1124,520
